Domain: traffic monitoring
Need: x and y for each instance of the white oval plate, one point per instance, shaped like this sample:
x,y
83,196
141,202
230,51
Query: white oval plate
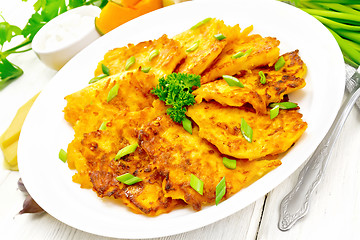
x,y
45,131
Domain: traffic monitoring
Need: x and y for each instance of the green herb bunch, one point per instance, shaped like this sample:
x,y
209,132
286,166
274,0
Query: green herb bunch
x,y
176,90
342,18
45,10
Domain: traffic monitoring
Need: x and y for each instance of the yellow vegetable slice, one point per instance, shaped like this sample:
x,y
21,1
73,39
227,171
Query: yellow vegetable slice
x,y
12,133
10,156
9,139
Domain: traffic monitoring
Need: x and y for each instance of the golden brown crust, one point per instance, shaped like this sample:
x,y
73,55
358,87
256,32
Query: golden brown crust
x,y
264,52
179,154
221,92
221,125
278,83
209,47
170,54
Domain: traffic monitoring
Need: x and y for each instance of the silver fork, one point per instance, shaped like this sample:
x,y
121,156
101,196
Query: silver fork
x,y
295,205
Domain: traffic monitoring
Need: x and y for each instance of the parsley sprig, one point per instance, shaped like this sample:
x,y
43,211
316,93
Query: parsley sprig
x,y
45,10
176,90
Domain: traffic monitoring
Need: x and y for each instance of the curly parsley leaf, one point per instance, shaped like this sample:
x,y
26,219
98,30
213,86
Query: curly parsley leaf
x,y
176,91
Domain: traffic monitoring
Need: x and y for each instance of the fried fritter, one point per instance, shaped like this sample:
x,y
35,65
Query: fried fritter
x,y
278,83
262,52
221,125
99,148
134,94
88,108
170,54
226,95
208,46
179,154
167,155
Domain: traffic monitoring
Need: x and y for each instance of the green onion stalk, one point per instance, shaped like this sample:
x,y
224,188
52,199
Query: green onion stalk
x,y
342,18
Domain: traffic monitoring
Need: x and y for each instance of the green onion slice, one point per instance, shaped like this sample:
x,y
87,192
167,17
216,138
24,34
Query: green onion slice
x,y
103,125
193,47
129,62
200,23
232,81
63,155
126,150
262,77
113,92
196,184
128,179
280,63
274,111
220,190
105,69
106,72
246,130
153,54
284,105
145,69
187,125
97,78
229,163
242,54
219,36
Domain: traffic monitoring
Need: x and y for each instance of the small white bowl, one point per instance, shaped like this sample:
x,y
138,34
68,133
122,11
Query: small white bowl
x,y
65,35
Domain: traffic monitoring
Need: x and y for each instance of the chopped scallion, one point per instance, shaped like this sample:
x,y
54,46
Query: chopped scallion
x,y
153,54
145,69
193,47
232,81
128,179
113,92
187,125
219,36
284,105
200,23
105,69
280,63
220,190
229,163
126,150
242,54
63,155
129,62
106,72
97,78
103,125
274,111
246,130
262,77
196,184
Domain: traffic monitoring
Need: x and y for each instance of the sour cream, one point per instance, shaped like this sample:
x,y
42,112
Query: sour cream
x,y
64,36
66,31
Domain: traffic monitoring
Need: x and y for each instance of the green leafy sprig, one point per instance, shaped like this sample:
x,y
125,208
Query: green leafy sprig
x,y
176,90
45,10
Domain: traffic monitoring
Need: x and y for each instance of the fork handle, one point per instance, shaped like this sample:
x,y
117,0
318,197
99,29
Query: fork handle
x,y
295,204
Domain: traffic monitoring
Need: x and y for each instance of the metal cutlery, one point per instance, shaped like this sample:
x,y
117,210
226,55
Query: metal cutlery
x,y
295,204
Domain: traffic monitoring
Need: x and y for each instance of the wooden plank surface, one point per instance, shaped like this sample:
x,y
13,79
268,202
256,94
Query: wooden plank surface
x,y
241,225
334,211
